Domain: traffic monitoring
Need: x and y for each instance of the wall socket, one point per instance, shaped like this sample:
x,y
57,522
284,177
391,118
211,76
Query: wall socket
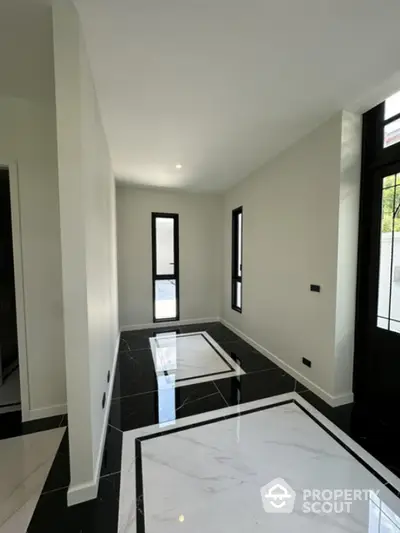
x,y
306,362
315,288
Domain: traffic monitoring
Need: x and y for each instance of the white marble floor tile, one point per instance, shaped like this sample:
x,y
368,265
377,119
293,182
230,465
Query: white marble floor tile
x,y
24,465
191,358
208,477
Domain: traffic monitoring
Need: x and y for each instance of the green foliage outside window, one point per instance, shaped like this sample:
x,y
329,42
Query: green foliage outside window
x,y
390,204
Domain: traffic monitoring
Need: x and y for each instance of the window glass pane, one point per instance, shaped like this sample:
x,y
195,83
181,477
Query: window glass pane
x,y
392,106
165,299
239,244
385,261
394,326
165,246
238,294
395,267
391,133
389,181
383,323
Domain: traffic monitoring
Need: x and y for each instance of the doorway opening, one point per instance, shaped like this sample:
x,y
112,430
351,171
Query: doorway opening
x,y
10,392
165,244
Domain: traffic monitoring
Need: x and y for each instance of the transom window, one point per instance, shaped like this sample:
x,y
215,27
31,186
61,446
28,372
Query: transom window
x,y
391,128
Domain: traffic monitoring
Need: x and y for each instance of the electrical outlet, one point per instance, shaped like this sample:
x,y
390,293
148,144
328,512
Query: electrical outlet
x,y
306,362
315,288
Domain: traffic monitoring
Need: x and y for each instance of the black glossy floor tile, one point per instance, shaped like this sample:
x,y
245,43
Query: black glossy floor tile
x,y
221,333
112,452
164,405
134,374
59,475
96,516
11,424
192,328
133,341
363,424
256,386
246,356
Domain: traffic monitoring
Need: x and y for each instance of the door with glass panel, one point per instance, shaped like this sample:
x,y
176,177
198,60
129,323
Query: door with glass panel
x,y
165,248
377,342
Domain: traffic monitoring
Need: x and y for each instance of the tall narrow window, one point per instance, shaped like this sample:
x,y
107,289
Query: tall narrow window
x,y
237,251
165,244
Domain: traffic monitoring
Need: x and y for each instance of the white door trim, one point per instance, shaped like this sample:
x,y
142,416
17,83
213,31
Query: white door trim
x,y
19,285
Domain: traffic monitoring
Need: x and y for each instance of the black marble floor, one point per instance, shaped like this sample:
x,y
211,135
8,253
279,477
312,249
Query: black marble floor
x,y
136,403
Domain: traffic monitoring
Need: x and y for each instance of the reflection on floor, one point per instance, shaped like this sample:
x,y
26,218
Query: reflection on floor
x,y
10,394
24,466
216,458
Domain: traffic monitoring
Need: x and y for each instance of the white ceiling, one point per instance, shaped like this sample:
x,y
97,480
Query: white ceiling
x,y
221,86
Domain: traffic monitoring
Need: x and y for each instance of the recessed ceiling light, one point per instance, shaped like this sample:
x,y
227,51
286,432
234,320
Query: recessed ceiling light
x,y
178,166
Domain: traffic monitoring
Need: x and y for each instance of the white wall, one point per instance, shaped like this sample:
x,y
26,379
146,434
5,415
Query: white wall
x,y
200,240
291,240
349,199
88,242
28,144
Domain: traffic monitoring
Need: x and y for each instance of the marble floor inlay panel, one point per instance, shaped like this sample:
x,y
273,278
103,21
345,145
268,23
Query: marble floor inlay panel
x,y
189,358
25,462
212,472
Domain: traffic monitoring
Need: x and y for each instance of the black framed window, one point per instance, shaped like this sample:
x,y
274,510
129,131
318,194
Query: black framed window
x,y
165,248
237,258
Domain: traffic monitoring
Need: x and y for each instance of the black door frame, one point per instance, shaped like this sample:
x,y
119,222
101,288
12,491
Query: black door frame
x,y
175,276
377,162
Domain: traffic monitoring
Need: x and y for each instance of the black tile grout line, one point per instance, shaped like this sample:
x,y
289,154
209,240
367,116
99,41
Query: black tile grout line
x,y
121,352
188,400
117,429
110,474
205,376
222,396
140,523
245,373
58,489
213,420
65,487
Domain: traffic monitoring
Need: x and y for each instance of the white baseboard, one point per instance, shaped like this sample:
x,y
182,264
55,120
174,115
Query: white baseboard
x,y
88,491
186,322
45,412
333,401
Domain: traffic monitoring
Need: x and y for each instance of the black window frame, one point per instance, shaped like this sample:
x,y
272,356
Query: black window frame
x,y
236,278
176,274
